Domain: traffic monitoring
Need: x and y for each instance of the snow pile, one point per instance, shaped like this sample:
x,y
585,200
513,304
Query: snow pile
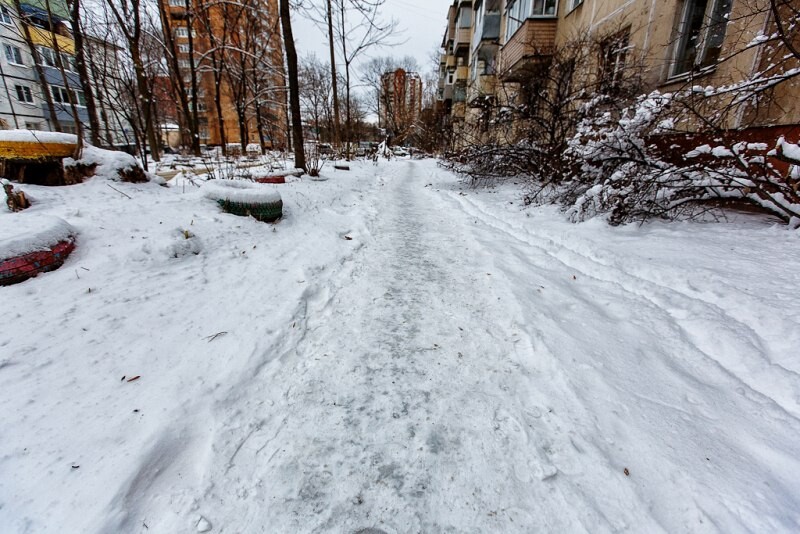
x,y
110,165
240,191
26,232
790,151
186,244
36,136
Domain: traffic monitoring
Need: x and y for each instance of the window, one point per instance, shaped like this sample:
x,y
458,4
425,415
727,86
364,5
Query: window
x,y
13,54
183,48
178,3
5,16
80,98
184,63
700,34
48,56
61,96
68,62
574,3
519,10
24,94
183,31
613,53
33,125
465,17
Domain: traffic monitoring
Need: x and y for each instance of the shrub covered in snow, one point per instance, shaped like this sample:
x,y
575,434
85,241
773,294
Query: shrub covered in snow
x,y
107,164
625,173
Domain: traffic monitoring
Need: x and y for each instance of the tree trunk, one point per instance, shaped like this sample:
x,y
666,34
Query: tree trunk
x,y
83,71
294,86
334,80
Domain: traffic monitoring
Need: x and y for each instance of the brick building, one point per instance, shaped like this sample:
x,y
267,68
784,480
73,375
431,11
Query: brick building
x,y
401,103
489,47
237,51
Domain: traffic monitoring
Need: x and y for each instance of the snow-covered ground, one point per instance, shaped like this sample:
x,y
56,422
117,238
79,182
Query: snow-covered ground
x,y
401,354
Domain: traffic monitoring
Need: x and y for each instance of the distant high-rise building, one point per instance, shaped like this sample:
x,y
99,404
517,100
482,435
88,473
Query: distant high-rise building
x,y
400,103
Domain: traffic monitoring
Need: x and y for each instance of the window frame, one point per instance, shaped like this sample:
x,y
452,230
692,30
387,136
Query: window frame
x,y
16,52
613,59
680,49
24,91
5,16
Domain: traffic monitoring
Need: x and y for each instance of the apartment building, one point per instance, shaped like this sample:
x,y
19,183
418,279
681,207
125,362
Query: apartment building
x,y
400,103
240,46
489,47
22,101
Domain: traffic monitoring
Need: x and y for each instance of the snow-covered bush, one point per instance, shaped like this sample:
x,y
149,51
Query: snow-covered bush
x,y
107,164
626,173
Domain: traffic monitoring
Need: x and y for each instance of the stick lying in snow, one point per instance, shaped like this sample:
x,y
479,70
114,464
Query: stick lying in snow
x,y
118,191
215,336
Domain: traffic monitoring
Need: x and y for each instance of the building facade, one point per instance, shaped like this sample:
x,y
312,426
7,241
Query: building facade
x,y
400,104
490,47
236,49
22,99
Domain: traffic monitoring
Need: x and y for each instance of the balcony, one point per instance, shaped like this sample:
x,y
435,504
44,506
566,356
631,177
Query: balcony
x,y
447,93
462,39
482,89
489,32
450,62
532,42
462,73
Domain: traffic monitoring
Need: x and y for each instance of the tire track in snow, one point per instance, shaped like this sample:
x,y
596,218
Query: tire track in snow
x,y
660,304
597,393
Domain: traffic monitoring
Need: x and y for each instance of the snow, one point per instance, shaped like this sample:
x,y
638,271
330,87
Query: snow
x,y
36,136
28,231
108,162
789,150
402,354
240,191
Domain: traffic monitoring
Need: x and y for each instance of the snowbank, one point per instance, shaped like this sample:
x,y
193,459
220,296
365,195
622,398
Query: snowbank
x,y
109,164
31,232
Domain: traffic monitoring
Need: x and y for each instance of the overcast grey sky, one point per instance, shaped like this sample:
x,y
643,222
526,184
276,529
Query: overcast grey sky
x,y
422,23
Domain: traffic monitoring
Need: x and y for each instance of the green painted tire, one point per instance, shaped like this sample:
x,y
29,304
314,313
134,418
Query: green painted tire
x,y
264,212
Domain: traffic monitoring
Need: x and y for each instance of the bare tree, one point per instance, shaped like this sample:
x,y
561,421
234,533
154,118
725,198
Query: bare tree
x,y
131,18
316,97
294,85
358,28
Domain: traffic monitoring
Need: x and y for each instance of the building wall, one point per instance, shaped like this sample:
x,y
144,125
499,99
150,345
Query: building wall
x,y
654,31
255,23
16,113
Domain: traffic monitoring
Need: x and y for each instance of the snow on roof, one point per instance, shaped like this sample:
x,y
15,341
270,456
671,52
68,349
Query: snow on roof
x,y
37,136
23,233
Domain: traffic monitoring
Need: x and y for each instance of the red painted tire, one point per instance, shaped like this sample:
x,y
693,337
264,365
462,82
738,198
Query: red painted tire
x,y
44,249
272,180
